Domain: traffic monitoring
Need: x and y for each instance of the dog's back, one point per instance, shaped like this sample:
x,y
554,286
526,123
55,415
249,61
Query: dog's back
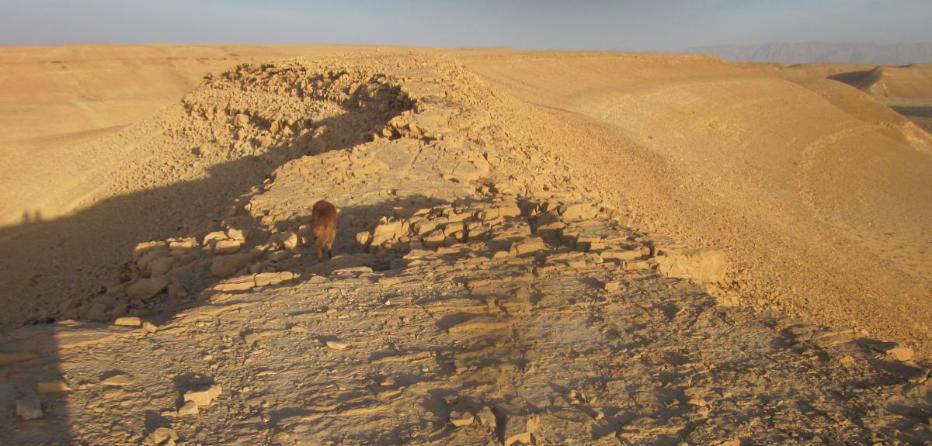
x,y
324,227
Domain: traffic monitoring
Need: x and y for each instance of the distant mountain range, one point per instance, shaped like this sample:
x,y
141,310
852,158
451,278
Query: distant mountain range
x,y
818,52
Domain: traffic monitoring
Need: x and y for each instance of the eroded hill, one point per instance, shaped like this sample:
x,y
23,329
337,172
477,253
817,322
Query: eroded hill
x,y
534,248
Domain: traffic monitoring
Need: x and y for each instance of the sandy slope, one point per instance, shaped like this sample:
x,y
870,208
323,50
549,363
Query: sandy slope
x,y
820,204
601,248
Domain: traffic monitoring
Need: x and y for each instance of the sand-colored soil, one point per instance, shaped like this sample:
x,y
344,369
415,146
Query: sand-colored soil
x,y
544,248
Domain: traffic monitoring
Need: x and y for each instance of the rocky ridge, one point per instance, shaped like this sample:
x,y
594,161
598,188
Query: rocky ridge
x,y
478,297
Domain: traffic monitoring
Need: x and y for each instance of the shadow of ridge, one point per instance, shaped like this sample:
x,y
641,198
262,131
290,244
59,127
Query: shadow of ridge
x,y
921,111
45,264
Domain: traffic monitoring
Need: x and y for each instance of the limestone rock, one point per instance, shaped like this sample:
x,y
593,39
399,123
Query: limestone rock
x,y
579,211
203,398
486,418
516,431
389,231
901,353
227,246
268,279
161,266
291,240
162,435
128,321
363,238
226,266
337,345
188,408
529,245
145,247
461,419
146,288
708,266
52,387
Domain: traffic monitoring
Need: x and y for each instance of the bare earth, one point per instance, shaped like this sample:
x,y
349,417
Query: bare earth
x,y
533,248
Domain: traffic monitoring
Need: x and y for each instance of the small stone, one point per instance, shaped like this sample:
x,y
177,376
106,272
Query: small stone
x,y
241,119
176,290
161,266
227,246
144,247
515,431
291,240
901,353
268,279
52,387
226,266
203,398
189,408
389,231
611,287
236,234
149,327
213,237
120,380
29,408
579,211
161,435
128,321
529,245
146,288
486,418
337,345
461,419
363,238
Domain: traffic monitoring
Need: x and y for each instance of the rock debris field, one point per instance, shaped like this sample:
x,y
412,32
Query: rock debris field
x,y
479,293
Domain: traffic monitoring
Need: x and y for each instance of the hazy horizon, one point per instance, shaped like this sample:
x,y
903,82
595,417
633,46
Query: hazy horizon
x,y
591,25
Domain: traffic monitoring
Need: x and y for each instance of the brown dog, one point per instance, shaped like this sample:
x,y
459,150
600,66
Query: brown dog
x,y
324,227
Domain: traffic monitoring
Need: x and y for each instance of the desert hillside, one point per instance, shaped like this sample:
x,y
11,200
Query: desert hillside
x,y
533,248
822,52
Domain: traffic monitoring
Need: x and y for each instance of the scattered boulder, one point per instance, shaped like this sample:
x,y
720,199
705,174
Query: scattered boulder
x,y
388,231
146,288
527,246
228,265
161,266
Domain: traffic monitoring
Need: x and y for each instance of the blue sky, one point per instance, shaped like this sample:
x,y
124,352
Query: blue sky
x,y
596,24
